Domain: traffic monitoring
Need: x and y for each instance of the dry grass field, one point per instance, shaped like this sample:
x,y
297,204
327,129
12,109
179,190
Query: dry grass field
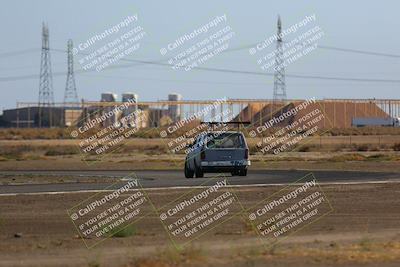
x,y
371,153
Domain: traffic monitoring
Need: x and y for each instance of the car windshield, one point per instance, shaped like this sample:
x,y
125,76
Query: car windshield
x,y
225,140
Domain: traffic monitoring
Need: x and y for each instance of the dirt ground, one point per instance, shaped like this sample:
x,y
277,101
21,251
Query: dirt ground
x,y
378,162
362,230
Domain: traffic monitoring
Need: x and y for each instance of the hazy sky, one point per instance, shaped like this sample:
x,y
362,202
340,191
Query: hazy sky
x,y
362,25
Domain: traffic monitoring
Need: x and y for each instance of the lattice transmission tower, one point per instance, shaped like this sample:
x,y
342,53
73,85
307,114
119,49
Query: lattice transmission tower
x,y
70,95
279,76
46,97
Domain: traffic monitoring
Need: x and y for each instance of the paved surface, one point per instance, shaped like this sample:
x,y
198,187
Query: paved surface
x,y
171,179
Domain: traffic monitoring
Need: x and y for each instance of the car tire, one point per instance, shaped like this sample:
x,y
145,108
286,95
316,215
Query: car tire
x,y
243,172
198,171
188,172
235,173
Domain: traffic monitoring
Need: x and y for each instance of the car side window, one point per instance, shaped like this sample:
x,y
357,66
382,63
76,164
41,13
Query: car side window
x,y
199,141
195,142
242,143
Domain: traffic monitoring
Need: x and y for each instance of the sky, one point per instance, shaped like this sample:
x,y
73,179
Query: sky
x,y
358,25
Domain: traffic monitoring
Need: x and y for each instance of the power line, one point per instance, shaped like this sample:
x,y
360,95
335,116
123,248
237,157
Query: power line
x,y
160,63
175,80
326,47
269,74
18,52
239,48
371,53
317,77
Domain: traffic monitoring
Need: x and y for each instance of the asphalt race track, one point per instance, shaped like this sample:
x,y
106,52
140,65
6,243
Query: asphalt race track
x,y
172,179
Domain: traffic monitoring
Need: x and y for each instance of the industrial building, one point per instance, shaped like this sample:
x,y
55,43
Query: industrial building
x,y
27,117
339,113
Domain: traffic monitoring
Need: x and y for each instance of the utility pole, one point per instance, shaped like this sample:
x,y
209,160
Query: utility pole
x,y
279,76
46,97
70,95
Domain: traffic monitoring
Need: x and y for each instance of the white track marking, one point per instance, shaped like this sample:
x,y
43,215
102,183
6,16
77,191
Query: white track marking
x,y
191,187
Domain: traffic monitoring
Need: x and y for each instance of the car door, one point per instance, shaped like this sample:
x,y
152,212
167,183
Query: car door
x,y
197,147
192,152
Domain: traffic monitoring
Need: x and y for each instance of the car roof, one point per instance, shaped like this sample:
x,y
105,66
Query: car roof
x,y
227,132
223,132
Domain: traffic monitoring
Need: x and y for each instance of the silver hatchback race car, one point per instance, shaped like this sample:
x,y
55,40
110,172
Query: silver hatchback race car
x,y
217,152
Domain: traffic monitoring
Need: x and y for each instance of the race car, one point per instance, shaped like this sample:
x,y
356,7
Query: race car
x,y
217,152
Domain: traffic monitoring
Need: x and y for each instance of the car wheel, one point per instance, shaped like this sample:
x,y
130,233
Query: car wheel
x,y
243,172
188,172
235,173
199,172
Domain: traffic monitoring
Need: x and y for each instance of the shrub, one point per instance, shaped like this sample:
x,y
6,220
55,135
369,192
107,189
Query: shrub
x,y
304,148
362,147
396,147
60,151
124,231
348,157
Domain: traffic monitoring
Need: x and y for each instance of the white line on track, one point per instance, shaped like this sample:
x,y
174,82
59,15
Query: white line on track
x,y
191,187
